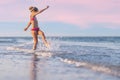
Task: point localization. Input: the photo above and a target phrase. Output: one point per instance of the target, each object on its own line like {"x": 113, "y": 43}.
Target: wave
{"x": 91, "y": 66}
{"x": 7, "y": 40}
{"x": 68, "y": 46}
{"x": 108, "y": 45}
{"x": 20, "y": 49}
{"x": 26, "y": 47}
{"x": 36, "y": 52}
{"x": 67, "y": 41}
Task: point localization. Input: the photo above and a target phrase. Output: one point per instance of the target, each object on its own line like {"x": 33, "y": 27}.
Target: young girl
{"x": 35, "y": 29}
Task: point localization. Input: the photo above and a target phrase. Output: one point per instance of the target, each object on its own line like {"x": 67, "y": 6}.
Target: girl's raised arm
{"x": 41, "y": 10}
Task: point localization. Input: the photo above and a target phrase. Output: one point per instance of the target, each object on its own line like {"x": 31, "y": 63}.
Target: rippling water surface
{"x": 68, "y": 58}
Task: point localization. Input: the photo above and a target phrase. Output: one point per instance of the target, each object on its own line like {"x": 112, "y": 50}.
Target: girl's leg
{"x": 43, "y": 38}
{"x": 35, "y": 39}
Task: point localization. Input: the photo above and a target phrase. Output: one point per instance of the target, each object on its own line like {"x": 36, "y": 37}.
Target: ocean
{"x": 68, "y": 58}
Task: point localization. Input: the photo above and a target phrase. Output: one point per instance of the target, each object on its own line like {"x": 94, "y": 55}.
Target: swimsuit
{"x": 35, "y": 29}
{"x": 32, "y": 19}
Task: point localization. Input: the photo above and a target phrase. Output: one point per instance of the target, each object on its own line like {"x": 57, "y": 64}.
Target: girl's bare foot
{"x": 47, "y": 45}
{"x": 34, "y": 48}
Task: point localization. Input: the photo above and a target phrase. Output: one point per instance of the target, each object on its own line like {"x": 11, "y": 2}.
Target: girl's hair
{"x": 35, "y": 9}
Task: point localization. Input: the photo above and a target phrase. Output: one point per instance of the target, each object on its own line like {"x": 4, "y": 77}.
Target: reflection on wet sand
{"x": 34, "y": 68}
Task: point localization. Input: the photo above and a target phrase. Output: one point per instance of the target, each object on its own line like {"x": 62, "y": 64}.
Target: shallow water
{"x": 69, "y": 58}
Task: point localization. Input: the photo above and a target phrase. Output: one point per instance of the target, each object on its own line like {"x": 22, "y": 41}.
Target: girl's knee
{"x": 42, "y": 33}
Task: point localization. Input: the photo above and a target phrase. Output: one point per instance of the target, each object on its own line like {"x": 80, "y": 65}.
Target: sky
{"x": 63, "y": 18}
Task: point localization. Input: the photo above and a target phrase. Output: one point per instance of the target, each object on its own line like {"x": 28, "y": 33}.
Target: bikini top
{"x": 32, "y": 19}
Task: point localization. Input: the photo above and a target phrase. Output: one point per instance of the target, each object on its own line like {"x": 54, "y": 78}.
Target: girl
{"x": 35, "y": 29}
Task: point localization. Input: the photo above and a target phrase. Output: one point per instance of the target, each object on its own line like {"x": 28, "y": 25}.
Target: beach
{"x": 69, "y": 58}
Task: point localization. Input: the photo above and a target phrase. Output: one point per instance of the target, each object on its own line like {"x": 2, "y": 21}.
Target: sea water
{"x": 68, "y": 58}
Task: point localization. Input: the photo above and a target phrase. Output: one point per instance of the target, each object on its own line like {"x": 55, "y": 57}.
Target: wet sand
{"x": 32, "y": 67}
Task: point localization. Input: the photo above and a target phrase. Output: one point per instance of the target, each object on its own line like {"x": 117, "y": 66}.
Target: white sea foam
{"x": 20, "y": 49}
{"x": 41, "y": 49}
{"x": 37, "y": 52}
{"x": 91, "y": 66}
{"x": 27, "y": 43}
{"x": 44, "y": 54}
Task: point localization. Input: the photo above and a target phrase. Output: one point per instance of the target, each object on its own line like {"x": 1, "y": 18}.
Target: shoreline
{"x": 32, "y": 67}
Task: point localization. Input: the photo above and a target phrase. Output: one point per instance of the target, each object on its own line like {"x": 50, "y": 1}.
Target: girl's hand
{"x": 25, "y": 29}
{"x": 47, "y": 7}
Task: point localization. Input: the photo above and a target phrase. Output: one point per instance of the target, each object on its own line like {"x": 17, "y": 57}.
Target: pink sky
{"x": 77, "y": 12}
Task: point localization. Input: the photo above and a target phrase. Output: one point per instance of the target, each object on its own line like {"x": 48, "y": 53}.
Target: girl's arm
{"x": 41, "y": 10}
{"x": 27, "y": 26}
